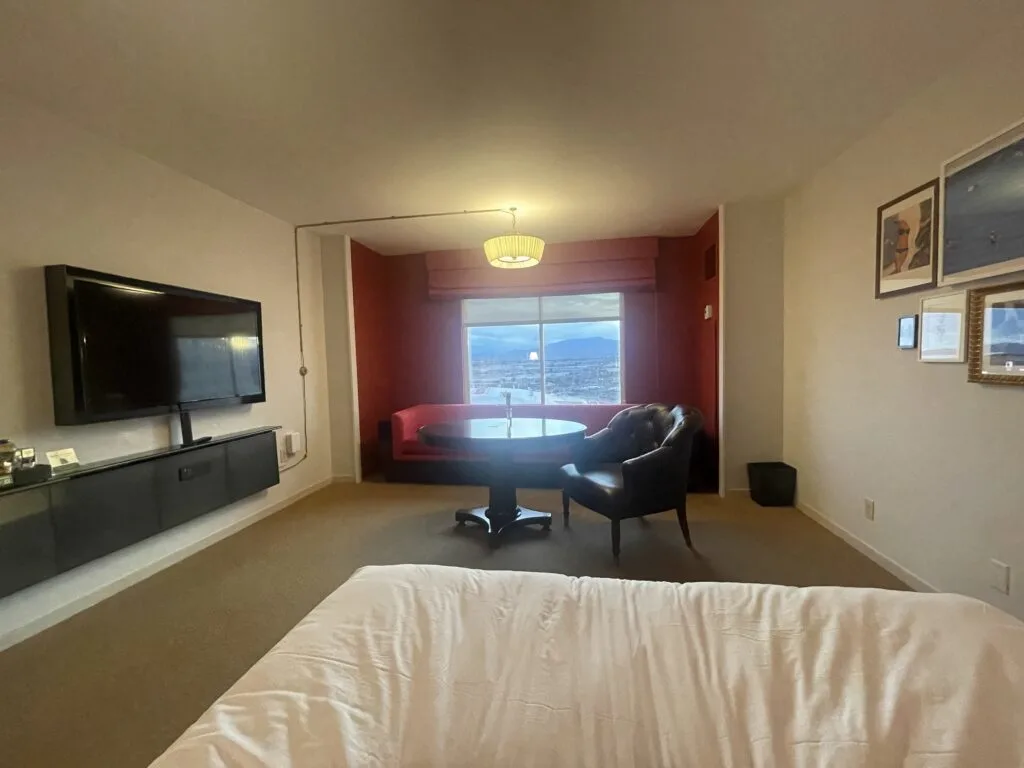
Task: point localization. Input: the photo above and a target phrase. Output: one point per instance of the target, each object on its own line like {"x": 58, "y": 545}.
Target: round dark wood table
{"x": 500, "y": 440}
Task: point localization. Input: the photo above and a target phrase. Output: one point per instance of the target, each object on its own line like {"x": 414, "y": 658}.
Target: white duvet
{"x": 426, "y": 665}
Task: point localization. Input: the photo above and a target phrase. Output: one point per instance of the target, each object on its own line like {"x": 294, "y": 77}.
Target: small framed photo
{"x": 943, "y": 328}
{"x": 995, "y": 333}
{"x": 906, "y": 337}
{"x": 906, "y": 242}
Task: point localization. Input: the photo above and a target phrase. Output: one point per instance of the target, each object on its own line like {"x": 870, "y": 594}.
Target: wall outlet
{"x": 869, "y": 509}
{"x": 999, "y": 578}
{"x": 292, "y": 443}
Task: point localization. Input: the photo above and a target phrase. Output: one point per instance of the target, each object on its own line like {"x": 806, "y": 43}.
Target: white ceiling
{"x": 598, "y": 118}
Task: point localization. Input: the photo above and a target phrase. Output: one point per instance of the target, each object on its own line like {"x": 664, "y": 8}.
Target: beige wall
{"x": 940, "y": 457}
{"x": 67, "y": 196}
{"x": 752, "y": 336}
{"x": 337, "y": 274}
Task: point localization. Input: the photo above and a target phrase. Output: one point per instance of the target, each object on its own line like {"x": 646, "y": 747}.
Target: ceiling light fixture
{"x": 514, "y": 250}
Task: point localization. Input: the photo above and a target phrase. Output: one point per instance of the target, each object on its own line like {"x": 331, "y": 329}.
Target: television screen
{"x": 135, "y": 348}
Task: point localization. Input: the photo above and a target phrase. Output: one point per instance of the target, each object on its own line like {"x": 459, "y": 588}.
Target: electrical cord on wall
{"x": 303, "y": 370}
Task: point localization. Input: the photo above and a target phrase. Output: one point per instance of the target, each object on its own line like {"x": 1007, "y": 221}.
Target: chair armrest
{"x": 652, "y": 475}
{"x": 593, "y": 449}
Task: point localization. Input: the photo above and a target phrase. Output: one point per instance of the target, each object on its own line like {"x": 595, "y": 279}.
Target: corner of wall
{"x": 722, "y": 267}
{"x": 355, "y": 438}
{"x": 751, "y": 312}
{"x": 341, "y": 364}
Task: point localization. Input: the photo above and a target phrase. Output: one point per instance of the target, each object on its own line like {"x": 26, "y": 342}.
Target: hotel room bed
{"x": 429, "y": 665}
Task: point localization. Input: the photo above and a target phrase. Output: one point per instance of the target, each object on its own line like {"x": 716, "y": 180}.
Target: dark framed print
{"x": 995, "y": 335}
{"x": 906, "y": 332}
{"x": 906, "y": 242}
{"x": 982, "y": 210}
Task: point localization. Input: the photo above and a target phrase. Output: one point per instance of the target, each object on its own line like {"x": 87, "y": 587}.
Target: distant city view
{"x": 580, "y": 363}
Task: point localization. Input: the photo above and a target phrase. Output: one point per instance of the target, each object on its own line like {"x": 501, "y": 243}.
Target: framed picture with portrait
{"x": 995, "y": 335}
{"x": 906, "y": 242}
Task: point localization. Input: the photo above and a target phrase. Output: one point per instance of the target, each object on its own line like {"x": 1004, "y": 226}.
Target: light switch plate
{"x": 1000, "y": 576}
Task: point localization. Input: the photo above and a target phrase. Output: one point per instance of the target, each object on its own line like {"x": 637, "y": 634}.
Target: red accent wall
{"x": 660, "y": 329}
{"x": 428, "y": 338}
{"x": 706, "y": 346}
{"x": 371, "y": 291}
{"x": 640, "y": 344}
{"x": 678, "y": 315}
{"x": 409, "y": 347}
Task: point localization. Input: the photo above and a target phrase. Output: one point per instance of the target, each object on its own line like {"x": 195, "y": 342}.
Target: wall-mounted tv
{"x": 122, "y": 348}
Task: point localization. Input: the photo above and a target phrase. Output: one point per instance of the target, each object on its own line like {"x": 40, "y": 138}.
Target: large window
{"x": 553, "y": 349}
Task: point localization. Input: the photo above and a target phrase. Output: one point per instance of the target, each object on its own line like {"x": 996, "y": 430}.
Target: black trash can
{"x": 772, "y": 483}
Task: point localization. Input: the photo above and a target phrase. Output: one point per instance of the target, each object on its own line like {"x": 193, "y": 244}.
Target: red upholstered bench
{"x": 412, "y": 461}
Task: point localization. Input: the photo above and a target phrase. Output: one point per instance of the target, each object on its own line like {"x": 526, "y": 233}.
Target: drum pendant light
{"x": 514, "y": 250}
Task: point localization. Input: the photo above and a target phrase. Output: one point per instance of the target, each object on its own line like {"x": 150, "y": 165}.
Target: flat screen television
{"x": 122, "y": 348}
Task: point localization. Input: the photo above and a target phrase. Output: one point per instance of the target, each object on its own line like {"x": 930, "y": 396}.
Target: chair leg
{"x": 615, "y": 540}
{"x": 565, "y": 509}
{"x": 681, "y": 514}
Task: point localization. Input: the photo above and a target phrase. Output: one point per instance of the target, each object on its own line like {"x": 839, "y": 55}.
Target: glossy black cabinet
{"x": 250, "y": 462}
{"x": 55, "y": 526}
{"x": 26, "y": 540}
{"x": 190, "y": 485}
{"x": 102, "y": 513}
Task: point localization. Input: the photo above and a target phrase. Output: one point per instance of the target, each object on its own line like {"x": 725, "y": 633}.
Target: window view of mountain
{"x": 571, "y": 349}
{"x": 582, "y": 349}
{"x": 563, "y": 341}
{"x": 580, "y": 363}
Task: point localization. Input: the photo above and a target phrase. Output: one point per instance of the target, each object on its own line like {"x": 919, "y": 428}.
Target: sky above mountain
{"x": 563, "y": 340}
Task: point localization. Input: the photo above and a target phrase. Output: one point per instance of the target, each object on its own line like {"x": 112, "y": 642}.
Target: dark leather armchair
{"x": 638, "y": 465}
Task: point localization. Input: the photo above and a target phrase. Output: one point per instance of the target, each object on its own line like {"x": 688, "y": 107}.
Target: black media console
{"x": 78, "y": 516}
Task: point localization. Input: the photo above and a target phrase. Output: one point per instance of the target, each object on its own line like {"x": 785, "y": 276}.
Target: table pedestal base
{"x": 503, "y": 513}
{"x": 495, "y": 525}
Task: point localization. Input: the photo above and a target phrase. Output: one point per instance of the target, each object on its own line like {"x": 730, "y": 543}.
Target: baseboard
{"x": 102, "y": 592}
{"x": 897, "y": 570}
{"x": 343, "y": 479}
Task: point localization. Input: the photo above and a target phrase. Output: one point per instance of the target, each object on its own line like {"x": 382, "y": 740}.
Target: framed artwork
{"x": 995, "y": 333}
{"x": 906, "y": 242}
{"x": 943, "y": 328}
{"x": 906, "y": 334}
{"x": 982, "y": 211}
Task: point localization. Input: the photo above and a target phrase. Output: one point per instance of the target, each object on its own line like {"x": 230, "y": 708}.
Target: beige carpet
{"x": 113, "y": 686}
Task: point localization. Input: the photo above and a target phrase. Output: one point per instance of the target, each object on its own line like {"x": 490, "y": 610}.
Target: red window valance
{"x": 596, "y": 266}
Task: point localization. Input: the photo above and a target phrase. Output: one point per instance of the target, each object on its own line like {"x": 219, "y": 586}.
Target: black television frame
{"x": 65, "y": 355}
